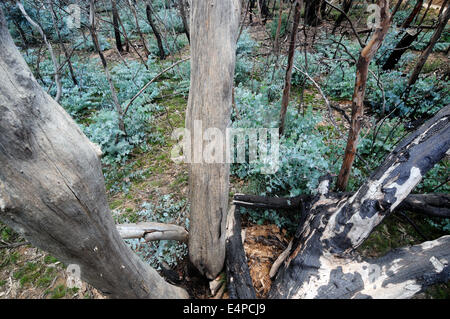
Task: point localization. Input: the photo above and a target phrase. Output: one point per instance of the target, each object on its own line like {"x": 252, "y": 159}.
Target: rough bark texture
{"x": 214, "y": 31}
{"x": 115, "y": 16}
{"x": 240, "y": 284}
{"x": 322, "y": 262}
{"x": 52, "y": 190}
{"x": 288, "y": 78}
{"x": 434, "y": 205}
{"x": 362, "y": 69}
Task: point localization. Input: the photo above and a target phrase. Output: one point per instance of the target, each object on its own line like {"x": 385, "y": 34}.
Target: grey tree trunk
{"x": 52, "y": 190}
{"x": 214, "y": 31}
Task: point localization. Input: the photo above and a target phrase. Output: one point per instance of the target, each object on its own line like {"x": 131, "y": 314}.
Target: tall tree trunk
{"x": 61, "y": 43}
{"x": 443, "y": 19}
{"x": 401, "y": 47}
{"x": 149, "y": 11}
{"x": 362, "y": 69}
{"x": 214, "y": 32}
{"x": 22, "y": 34}
{"x": 115, "y": 16}
{"x": 138, "y": 28}
{"x": 346, "y": 8}
{"x": 322, "y": 262}
{"x": 252, "y": 6}
{"x": 49, "y": 47}
{"x": 52, "y": 189}
{"x": 415, "y": 11}
{"x": 125, "y": 35}
{"x": 184, "y": 17}
{"x": 287, "y": 82}
{"x": 105, "y": 66}
{"x": 277, "y": 34}
{"x": 264, "y": 9}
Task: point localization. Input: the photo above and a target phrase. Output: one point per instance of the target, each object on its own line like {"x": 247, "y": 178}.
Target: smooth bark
{"x": 52, "y": 190}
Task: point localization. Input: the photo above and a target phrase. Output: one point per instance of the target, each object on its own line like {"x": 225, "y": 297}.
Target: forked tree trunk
{"x": 52, "y": 190}
{"x": 288, "y": 78}
{"x": 362, "y": 69}
{"x": 322, "y": 262}
{"x": 214, "y": 32}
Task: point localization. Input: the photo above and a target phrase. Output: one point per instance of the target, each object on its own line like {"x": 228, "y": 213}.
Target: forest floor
{"x": 28, "y": 272}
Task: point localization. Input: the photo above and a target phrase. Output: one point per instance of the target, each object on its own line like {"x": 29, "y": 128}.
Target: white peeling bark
{"x": 52, "y": 189}
{"x": 152, "y": 231}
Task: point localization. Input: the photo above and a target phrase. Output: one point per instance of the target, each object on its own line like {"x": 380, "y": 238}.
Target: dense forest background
{"x": 126, "y": 84}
